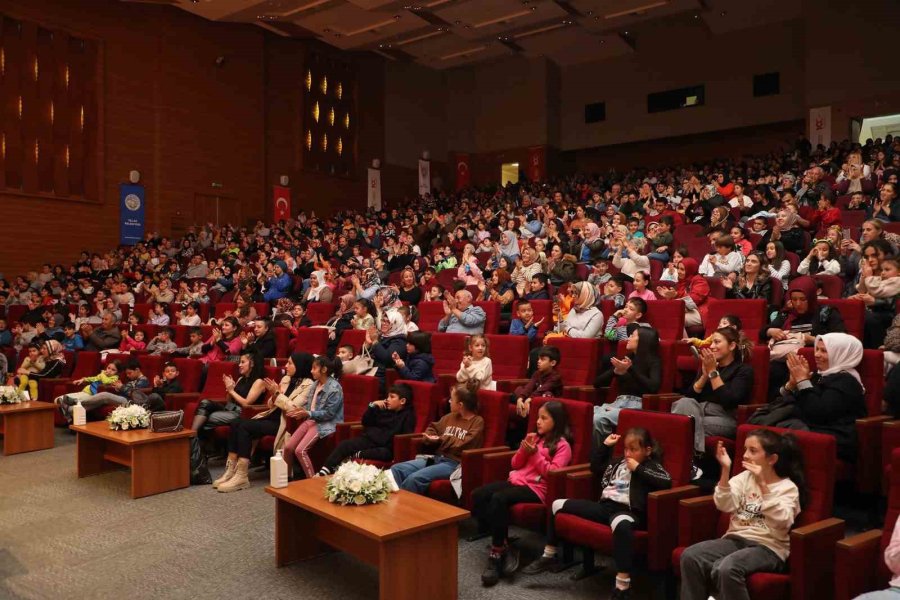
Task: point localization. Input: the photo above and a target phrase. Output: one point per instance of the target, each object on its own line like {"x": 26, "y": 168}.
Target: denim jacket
{"x": 329, "y": 407}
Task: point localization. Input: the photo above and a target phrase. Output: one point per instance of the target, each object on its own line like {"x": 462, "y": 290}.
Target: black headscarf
{"x": 303, "y": 364}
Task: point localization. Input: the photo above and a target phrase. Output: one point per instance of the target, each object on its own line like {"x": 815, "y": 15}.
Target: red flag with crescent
{"x": 281, "y": 198}
{"x": 463, "y": 173}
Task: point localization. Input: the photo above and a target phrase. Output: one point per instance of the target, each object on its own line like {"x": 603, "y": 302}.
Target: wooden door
{"x": 218, "y": 210}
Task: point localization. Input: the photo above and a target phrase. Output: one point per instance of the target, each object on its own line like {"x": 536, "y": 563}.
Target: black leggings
{"x": 243, "y": 433}
{"x": 361, "y": 447}
{"x": 491, "y": 504}
{"x": 606, "y": 512}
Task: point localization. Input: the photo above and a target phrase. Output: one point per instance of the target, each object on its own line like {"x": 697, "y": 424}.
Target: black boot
{"x": 491, "y": 574}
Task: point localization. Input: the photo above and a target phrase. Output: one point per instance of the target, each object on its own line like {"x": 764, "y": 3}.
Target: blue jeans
{"x": 888, "y": 594}
{"x": 606, "y": 416}
{"x": 415, "y": 476}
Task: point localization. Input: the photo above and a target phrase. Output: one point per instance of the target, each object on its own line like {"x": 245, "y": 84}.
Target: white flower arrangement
{"x": 358, "y": 484}
{"x": 129, "y": 417}
{"x": 11, "y": 395}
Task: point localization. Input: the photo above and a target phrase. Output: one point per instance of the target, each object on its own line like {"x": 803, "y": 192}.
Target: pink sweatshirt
{"x": 892, "y": 555}
{"x": 532, "y": 469}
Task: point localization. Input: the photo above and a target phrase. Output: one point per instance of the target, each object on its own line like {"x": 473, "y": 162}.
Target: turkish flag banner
{"x": 463, "y": 172}
{"x": 537, "y": 163}
{"x": 281, "y": 197}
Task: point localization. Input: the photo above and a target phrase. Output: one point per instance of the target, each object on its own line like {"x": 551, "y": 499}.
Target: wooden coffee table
{"x": 26, "y": 426}
{"x": 410, "y": 538}
{"x": 159, "y": 462}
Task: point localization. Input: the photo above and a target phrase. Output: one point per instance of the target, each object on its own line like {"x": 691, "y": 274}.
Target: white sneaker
{"x": 392, "y": 483}
{"x": 696, "y": 472}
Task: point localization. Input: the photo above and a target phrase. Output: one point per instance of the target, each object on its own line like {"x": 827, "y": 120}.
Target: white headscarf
{"x": 398, "y": 323}
{"x": 511, "y": 247}
{"x": 845, "y": 352}
{"x": 315, "y": 290}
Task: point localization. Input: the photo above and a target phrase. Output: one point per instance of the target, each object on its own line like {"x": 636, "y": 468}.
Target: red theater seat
{"x": 320, "y": 313}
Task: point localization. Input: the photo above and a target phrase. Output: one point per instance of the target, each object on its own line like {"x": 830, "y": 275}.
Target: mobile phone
{"x": 846, "y": 233}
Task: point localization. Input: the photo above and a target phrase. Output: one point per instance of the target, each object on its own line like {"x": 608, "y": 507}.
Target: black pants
{"x": 875, "y": 328}
{"x": 243, "y": 433}
{"x": 361, "y": 447}
{"x": 778, "y": 376}
{"x": 491, "y": 504}
{"x": 606, "y": 512}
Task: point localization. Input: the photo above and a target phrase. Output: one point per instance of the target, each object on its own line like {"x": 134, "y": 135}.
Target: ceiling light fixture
{"x": 508, "y": 17}
{"x": 419, "y": 38}
{"x": 532, "y": 32}
{"x": 463, "y": 53}
{"x": 299, "y": 9}
{"x": 632, "y": 11}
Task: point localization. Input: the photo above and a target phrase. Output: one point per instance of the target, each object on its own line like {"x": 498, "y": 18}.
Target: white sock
{"x": 391, "y": 481}
{"x": 550, "y": 551}
{"x": 623, "y": 584}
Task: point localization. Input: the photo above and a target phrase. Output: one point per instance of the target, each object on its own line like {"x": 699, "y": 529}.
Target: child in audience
{"x": 162, "y": 342}
{"x": 160, "y": 316}
{"x": 546, "y": 381}
{"x": 419, "y": 363}
{"x": 435, "y": 293}
{"x": 363, "y": 318}
{"x": 763, "y": 500}
{"x": 6, "y": 338}
{"x": 476, "y": 366}
{"x": 617, "y": 327}
{"x": 407, "y": 311}
{"x": 123, "y": 395}
{"x": 195, "y": 344}
{"x": 732, "y": 321}
{"x": 132, "y": 342}
{"x": 33, "y": 363}
{"x": 612, "y": 290}
{"x": 538, "y": 288}
{"x": 72, "y": 340}
{"x": 524, "y": 323}
{"x": 381, "y": 422}
{"x": 892, "y": 560}
{"x": 189, "y": 318}
{"x": 460, "y": 429}
{"x": 600, "y": 273}
{"x": 641, "y": 280}
{"x": 324, "y": 410}
{"x": 167, "y": 384}
{"x": 346, "y": 353}
{"x": 51, "y": 353}
{"x": 662, "y": 241}
{"x": 542, "y": 451}
{"x": 108, "y": 376}
{"x": 625, "y": 483}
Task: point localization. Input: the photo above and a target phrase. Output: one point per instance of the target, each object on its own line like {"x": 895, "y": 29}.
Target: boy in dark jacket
{"x": 381, "y": 422}
{"x": 419, "y": 363}
{"x": 167, "y": 384}
{"x": 546, "y": 381}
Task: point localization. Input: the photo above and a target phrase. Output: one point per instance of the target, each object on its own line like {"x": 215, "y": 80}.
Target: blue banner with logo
{"x": 131, "y": 214}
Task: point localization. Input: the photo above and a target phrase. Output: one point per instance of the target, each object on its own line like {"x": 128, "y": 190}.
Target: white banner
{"x": 424, "y": 177}
{"x": 374, "y": 188}
{"x": 820, "y": 126}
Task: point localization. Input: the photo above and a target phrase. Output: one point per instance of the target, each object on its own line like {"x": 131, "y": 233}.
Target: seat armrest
{"x": 180, "y": 400}
{"x": 856, "y": 565}
{"x": 812, "y": 550}
{"x": 698, "y": 518}
{"x": 473, "y": 470}
{"x": 248, "y": 412}
{"x": 585, "y": 393}
{"x": 890, "y": 439}
{"x": 868, "y": 454}
{"x": 580, "y": 485}
{"x": 659, "y": 402}
{"x": 344, "y": 430}
{"x": 662, "y": 514}
{"x": 510, "y": 385}
{"x": 556, "y": 481}
{"x": 745, "y": 411}
{"x": 404, "y": 444}
{"x": 497, "y": 466}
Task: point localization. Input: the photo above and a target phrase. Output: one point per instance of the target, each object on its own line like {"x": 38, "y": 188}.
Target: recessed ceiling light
{"x": 723, "y": 13}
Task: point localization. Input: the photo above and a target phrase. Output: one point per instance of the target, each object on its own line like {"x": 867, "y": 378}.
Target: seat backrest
{"x": 751, "y": 312}
{"x": 144, "y": 309}
{"x": 310, "y": 339}
{"x": 223, "y": 307}
{"x": 581, "y": 423}
{"x": 320, "y": 312}
{"x": 359, "y": 391}
{"x": 430, "y": 314}
{"x": 673, "y": 433}
{"x": 214, "y": 387}
{"x": 262, "y": 308}
{"x": 122, "y": 357}
{"x": 509, "y": 356}
{"x": 190, "y": 372}
{"x": 761, "y": 363}
{"x": 578, "y": 359}
{"x": 819, "y": 466}
{"x": 667, "y": 351}
{"x": 716, "y": 289}
{"x": 832, "y": 285}
{"x": 686, "y": 232}
{"x": 447, "y": 350}
{"x": 426, "y": 398}
{"x": 543, "y": 312}
{"x": 150, "y": 331}
{"x": 492, "y": 310}
{"x": 667, "y": 317}
{"x": 282, "y": 339}
{"x": 87, "y": 364}
{"x": 70, "y": 363}
{"x": 852, "y": 311}
{"x": 151, "y": 365}
{"x": 494, "y": 409}
{"x": 353, "y": 337}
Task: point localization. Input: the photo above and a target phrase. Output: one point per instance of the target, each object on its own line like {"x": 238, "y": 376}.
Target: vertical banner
{"x": 131, "y": 214}
{"x": 424, "y": 177}
{"x": 281, "y": 198}
{"x": 820, "y": 126}
{"x": 463, "y": 173}
{"x": 536, "y": 170}
{"x": 374, "y": 189}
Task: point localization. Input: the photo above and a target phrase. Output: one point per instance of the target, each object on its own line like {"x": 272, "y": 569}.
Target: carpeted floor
{"x": 62, "y": 537}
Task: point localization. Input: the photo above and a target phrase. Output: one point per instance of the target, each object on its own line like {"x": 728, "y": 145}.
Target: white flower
{"x": 357, "y": 484}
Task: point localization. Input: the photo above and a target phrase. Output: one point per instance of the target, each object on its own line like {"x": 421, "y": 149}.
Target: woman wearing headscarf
{"x": 525, "y": 269}
{"x": 592, "y": 246}
{"x": 832, "y": 399}
{"x": 788, "y": 232}
{"x": 279, "y": 285}
{"x": 584, "y": 320}
{"x": 319, "y": 290}
{"x": 54, "y": 361}
{"x": 801, "y": 316}
{"x": 389, "y": 345}
{"x": 366, "y": 284}
{"x": 509, "y": 244}
{"x": 692, "y": 289}
{"x": 342, "y": 320}
{"x": 499, "y": 288}
{"x": 286, "y": 400}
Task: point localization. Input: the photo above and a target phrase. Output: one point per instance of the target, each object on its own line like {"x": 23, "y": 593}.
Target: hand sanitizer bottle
{"x": 79, "y": 415}
{"x": 278, "y": 471}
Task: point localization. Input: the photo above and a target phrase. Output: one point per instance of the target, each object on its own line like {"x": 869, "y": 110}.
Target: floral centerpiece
{"x": 10, "y": 395}
{"x": 355, "y": 483}
{"x": 129, "y": 417}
